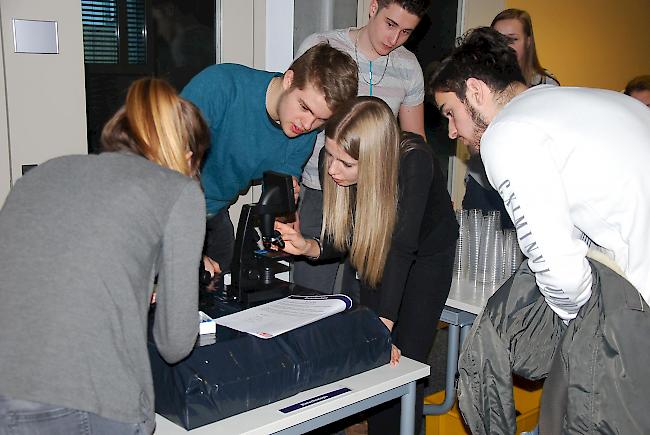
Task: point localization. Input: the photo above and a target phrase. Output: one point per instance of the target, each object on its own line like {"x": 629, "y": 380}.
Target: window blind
{"x": 136, "y": 32}
{"x": 101, "y": 31}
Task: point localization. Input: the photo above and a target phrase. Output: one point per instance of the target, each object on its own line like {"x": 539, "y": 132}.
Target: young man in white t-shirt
{"x": 571, "y": 167}
{"x": 386, "y": 70}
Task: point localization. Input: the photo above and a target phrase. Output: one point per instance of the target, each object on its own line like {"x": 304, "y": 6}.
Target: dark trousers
{"x": 220, "y": 239}
{"x": 426, "y": 292}
{"x": 477, "y": 196}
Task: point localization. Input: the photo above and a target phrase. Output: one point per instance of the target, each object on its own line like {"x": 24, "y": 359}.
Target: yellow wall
{"x": 593, "y": 43}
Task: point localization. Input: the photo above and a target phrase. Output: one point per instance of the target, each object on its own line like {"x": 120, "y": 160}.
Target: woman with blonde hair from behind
{"x": 385, "y": 203}
{"x": 160, "y": 126}
{"x": 82, "y": 239}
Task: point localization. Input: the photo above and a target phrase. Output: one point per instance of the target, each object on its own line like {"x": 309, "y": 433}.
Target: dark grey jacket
{"x": 597, "y": 366}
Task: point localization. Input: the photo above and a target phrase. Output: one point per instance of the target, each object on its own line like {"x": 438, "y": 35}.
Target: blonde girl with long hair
{"x": 370, "y": 200}
{"x": 82, "y": 239}
{"x": 385, "y": 203}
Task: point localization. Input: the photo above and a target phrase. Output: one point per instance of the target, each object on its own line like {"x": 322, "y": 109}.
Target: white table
{"x": 367, "y": 389}
{"x": 466, "y": 300}
{"x": 468, "y": 296}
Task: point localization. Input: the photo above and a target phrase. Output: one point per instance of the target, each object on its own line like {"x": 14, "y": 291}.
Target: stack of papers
{"x": 278, "y": 317}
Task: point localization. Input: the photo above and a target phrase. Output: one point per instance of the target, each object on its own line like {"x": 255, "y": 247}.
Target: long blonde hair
{"x": 159, "y": 125}
{"x": 361, "y": 218}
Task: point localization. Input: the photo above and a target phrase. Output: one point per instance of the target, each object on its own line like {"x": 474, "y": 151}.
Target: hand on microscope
{"x": 209, "y": 274}
{"x": 211, "y": 266}
{"x": 295, "y": 243}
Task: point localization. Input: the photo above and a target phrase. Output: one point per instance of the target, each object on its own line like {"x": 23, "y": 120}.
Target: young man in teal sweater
{"x": 261, "y": 121}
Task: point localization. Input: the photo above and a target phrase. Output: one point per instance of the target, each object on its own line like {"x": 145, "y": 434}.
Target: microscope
{"x": 255, "y": 264}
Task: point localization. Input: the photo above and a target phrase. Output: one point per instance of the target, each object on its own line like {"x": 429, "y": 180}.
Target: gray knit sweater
{"x": 81, "y": 239}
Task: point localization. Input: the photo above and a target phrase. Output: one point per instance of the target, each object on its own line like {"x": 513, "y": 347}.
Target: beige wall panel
{"x": 362, "y": 12}
{"x": 46, "y": 106}
{"x": 480, "y": 12}
{"x": 5, "y": 173}
{"x": 259, "y": 33}
{"x": 237, "y": 31}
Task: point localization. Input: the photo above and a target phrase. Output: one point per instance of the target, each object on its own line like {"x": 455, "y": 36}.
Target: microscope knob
{"x": 277, "y": 239}
{"x": 253, "y": 275}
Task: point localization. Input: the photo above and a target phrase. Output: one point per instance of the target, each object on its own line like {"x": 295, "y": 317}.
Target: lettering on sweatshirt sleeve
{"x": 525, "y": 235}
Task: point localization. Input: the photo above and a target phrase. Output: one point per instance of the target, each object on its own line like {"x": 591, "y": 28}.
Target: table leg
{"x": 407, "y": 417}
{"x": 453, "y": 349}
{"x": 464, "y": 331}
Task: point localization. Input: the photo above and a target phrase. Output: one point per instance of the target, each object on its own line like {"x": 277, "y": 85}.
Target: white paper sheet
{"x": 278, "y": 317}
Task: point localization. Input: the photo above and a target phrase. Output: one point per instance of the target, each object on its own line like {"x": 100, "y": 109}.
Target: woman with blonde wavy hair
{"x": 386, "y": 204}
{"x": 82, "y": 239}
{"x": 518, "y": 26}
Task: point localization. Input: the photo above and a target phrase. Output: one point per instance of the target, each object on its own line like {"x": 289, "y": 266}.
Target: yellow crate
{"x": 451, "y": 423}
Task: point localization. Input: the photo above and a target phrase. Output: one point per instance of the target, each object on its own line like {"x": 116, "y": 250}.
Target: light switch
{"x": 35, "y": 36}
{"x": 26, "y": 168}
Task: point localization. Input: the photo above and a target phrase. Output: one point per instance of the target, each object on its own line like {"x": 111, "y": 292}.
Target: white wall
{"x": 45, "y": 93}
{"x": 279, "y": 35}
{"x": 362, "y": 12}
{"x": 244, "y": 29}
{"x": 322, "y": 15}
{"x": 480, "y": 12}
{"x": 237, "y": 31}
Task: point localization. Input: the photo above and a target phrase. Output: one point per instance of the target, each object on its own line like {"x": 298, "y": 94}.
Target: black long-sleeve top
{"x": 426, "y": 223}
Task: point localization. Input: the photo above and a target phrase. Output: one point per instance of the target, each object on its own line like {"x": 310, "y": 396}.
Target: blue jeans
{"x": 22, "y": 417}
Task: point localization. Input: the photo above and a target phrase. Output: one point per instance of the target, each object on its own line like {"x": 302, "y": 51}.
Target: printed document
{"x": 278, "y": 317}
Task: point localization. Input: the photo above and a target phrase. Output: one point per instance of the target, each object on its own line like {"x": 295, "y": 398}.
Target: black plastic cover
{"x": 241, "y": 372}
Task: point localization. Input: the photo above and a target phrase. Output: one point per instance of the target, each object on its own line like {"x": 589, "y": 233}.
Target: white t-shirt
{"x": 397, "y": 79}
{"x": 574, "y": 158}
